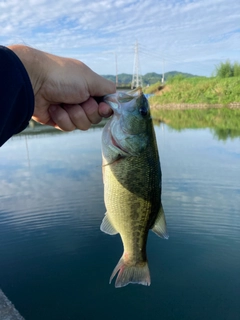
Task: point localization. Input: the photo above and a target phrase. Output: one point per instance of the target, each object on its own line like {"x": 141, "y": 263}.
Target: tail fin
{"x": 131, "y": 274}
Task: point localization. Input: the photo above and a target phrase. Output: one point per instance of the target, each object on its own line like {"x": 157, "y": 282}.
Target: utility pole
{"x": 163, "y": 66}
{"x": 136, "y": 78}
{"x": 116, "y": 69}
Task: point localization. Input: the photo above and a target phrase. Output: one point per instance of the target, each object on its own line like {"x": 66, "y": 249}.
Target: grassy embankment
{"x": 199, "y": 90}
{"x": 198, "y": 103}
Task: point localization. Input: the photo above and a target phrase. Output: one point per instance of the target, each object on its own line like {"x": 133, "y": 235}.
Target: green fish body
{"x": 132, "y": 183}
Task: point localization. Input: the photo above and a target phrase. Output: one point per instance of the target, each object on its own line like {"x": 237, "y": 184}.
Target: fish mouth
{"x": 117, "y": 145}
{"x": 111, "y": 100}
{"x": 115, "y": 100}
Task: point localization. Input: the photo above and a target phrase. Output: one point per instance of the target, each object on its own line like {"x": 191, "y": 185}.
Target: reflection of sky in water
{"x": 58, "y": 185}
{"x": 51, "y": 207}
{"x": 55, "y": 164}
{"x": 200, "y": 181}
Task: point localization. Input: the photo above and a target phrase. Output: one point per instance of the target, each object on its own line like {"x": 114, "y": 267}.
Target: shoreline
{"x": 188, "y": 106}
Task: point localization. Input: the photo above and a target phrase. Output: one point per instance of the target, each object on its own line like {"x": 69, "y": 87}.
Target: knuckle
{"x": 76, "y": 114}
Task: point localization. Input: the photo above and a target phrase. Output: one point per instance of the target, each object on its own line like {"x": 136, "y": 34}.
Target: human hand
{"x": 64, "y": 89}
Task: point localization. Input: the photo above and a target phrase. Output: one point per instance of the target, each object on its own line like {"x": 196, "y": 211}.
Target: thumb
{"x": 99, "y": 86}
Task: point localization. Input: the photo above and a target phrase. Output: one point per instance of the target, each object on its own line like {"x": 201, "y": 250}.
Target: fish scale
{"x": 132, "y": 184}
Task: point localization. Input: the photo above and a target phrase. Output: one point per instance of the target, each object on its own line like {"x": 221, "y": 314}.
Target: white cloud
{"x": 191, "y": 35}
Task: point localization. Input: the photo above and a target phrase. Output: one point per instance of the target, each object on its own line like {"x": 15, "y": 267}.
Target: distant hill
{"x": 148, "y": 78}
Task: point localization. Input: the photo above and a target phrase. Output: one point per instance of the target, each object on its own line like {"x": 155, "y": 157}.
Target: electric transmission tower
{"x": 136, "y": 78}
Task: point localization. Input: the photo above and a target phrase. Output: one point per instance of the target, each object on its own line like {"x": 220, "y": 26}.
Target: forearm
{"x": 16, "y": 95}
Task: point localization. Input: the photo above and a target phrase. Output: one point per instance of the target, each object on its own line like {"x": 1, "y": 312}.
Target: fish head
{"x": 129, "y": 129}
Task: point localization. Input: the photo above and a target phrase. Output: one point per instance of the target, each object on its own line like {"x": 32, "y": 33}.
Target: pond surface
{"x": 55, "y": 263}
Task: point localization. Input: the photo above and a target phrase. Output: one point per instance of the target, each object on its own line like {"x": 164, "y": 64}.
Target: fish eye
{"x": 143, "y": 111}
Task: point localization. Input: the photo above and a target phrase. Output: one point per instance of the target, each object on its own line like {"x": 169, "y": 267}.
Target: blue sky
{"x": 184, "y": 35}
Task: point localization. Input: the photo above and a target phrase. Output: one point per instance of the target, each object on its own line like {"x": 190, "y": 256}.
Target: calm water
{"x": 55, "y": 263}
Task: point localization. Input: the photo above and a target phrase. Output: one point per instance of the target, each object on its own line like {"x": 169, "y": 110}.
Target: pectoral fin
{"x": 160, "y": 226}
{"x": 107, "y": 227}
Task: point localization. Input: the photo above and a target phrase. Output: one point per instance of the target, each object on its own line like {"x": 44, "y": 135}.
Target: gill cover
{"x": 127, "y": 132}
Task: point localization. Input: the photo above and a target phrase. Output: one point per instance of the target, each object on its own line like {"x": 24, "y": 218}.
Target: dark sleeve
{"x": 16, "y": 95}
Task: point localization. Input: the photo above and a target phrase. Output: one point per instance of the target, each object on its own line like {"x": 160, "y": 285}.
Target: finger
{"x": 104, "y": 110}
{"x": 78, "y": 116}
{"x": 60, "y": 118}
{"x": 90, "y": 108}
{"x": 97, "y": 85}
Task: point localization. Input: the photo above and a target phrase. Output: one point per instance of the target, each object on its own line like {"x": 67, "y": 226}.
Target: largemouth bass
{"x": 132, "y": 183}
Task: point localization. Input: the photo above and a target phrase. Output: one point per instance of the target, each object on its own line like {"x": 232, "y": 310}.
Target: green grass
{"x": 196, "y": 90}
{"x": 224, "y": 122}
{"x": 153, "y": 88}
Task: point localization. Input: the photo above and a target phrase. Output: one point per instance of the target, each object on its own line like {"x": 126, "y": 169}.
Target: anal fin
{"x": 107, "y": 227}
{"x": 160, "y": 226}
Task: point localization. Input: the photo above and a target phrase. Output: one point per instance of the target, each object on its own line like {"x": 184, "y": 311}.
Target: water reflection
{"x": 224, "y": 134}
{"x": 218, "y": 133}
{"x": 223, "y": 122}
{"x": 55, "y": 262}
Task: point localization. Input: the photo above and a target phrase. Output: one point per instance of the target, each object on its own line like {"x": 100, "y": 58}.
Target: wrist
{"x": 33, "y": 61}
